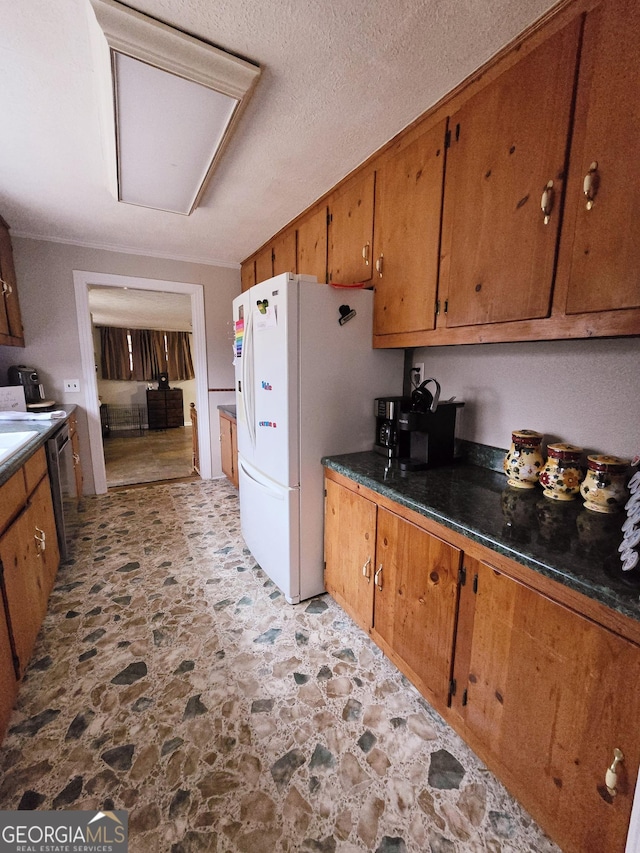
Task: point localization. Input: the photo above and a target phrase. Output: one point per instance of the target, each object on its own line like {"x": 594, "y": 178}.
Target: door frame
{"x": 82, "y": 281}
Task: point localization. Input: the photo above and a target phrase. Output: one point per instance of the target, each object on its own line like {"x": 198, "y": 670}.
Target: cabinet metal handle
{"x": 590, "y": 184}
{"x": 379, "y": 265}
{"x": 76, "y": 458}
{"x": 365, "y": 570}
{"x": 41, "y": 540}
{"x": 365, "y": 253}
{"x": 611, "y": 776}
{"x": 6, "y": 287}
{"x": 377, "y": 578}
{"x": 546, "y": 202}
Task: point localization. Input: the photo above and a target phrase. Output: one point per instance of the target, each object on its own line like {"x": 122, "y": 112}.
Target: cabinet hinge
{"x": 462, "y": 575}
{"x": 447, "y": 139}
{"x": 325, "y": 493}
{"x": 329, "y": 217}
{"x": 437, "y": 307}
{"x": 475, "y": 583}
{"x": 452, "y": 687}
{"x": 446, "y": 305}
{"x": 464, "y": 697}
{"x": 458, "y": 131}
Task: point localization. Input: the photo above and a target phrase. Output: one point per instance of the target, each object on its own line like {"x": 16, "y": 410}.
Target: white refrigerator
{"x": 305, "y": 388}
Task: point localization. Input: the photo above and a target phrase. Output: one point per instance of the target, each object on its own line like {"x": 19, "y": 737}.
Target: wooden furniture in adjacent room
{"x": 164, "y": 408}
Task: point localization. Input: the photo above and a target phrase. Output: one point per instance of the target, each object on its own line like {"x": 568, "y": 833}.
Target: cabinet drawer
{"x": 34, "y": 469}
{"x": 13, "y": 496}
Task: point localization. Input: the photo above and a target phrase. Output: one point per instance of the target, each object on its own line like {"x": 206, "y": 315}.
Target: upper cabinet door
{"x": 407, "y": 234}
{"x": 508, "y": 145}
{"x": 284, "y": 252}
{"x": 351, "y": 231}
{"x": 248, "y": 274}
{"x": 603, "y": 190}
{"x": 312, "y": 245}
{"x": 264, "y": 264}
{"x": 10, "y": 318}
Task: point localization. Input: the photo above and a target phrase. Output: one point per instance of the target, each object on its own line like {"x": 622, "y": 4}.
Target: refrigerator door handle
{"x": 271, "y": 492}
{"x": 247, "y": 379}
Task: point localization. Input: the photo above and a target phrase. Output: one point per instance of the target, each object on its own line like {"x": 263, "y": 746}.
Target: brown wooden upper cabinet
{"x": 264, "y": 263}
{"x": 248, "y": 274}
{"x": 11, "y": 332}
{"x": 284, "y": 252}
{"x": 508, "y": 148}
{"x": 312, "y": 244}
{"x": 601, "y": 233}
{"x": 407, "y": 232}
{"x": 351, "y": 230}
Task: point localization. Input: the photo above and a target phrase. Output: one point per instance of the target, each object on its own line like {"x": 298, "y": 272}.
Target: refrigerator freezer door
{"x": 270, "y": 521}
{"x": 269, "y": 376}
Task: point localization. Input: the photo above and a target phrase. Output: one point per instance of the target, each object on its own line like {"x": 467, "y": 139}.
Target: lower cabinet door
{"x": 552, "y": 696}
{"x": 8, "y": 682}
{"x": 415, "y": 603}
{"x": 349, "y": 551}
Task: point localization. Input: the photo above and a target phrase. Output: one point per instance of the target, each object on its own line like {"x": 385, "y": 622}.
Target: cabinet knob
{"x": 366, "y": 570}
{"x": 590, "y": 184}
{"x": 546, "y": 202}
{"x": 377, "y": 578}
{"x": 611, "y": 776}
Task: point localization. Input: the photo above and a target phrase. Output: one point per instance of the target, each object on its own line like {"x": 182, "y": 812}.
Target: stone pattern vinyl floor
{"x": 171, "y": 679}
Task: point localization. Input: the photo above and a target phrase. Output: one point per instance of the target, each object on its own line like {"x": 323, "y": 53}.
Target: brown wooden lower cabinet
{"x": 228, "y": 448}
{"x": 541, "y": 692}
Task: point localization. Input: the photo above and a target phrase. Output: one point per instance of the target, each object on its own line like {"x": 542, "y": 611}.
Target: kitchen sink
{"x": 11, "y": 442}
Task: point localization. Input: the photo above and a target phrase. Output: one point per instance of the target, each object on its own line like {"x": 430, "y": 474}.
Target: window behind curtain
{"x": 142, "y": 354}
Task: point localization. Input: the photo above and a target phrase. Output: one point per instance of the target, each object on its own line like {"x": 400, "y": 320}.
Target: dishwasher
{"x": 60, "y": 465}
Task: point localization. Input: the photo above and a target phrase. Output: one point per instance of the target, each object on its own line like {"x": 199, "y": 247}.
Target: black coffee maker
{"x": 389, "y": 441}
{"x": 33, "y": 391}
{"x": 428, "y": 428}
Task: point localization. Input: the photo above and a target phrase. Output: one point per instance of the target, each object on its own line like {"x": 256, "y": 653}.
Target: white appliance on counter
{"x": 306, "y": 377}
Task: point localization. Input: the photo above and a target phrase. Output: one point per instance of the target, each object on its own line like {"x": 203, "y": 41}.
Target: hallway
{"x": 148, "y": 456}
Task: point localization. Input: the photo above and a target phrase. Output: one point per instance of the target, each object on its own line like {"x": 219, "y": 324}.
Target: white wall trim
{"x": 81, "y": 281}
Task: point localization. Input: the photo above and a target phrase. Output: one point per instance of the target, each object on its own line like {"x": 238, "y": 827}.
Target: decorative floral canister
{"x": 561, "y": 474}
{"x": 604, "y": 488}
{"x": 523, "y": 461}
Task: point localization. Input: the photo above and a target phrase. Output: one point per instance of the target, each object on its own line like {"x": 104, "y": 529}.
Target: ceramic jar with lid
{"x": 561, "y": 474}
{"x": 523, "y": 461}
{"x": 604, "y": 488}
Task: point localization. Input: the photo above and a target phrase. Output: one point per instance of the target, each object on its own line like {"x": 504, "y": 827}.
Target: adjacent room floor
{"x": 148, "y": 456}
{"x": 172, "y": 680}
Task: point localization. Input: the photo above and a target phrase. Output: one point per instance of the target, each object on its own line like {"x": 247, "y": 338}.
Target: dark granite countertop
{"x": 228, "y": 409}
{"x": 44, "y": 429}
{"x": 563, "y": 541}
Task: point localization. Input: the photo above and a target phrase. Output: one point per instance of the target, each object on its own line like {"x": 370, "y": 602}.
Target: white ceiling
{"x": 339, "y": 79}
{"x": 127, "y": 308}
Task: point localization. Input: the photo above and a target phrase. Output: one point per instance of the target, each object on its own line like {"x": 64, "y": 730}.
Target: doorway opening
{"x": 167, "y": 451}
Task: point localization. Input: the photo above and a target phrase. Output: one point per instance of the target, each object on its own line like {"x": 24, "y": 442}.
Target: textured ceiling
{"x": 140, "y": 309}
{"x": 339, "y": 78}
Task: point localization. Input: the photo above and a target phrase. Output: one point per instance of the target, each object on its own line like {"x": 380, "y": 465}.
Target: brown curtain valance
{"x": 152, "y": 352}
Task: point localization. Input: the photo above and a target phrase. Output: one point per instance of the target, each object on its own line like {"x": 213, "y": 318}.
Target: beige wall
{"x": 45, "y": 282}
{"x": 582, "y": 392}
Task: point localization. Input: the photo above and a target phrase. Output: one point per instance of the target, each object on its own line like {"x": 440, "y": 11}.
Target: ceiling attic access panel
{"x": 508, "y": 145}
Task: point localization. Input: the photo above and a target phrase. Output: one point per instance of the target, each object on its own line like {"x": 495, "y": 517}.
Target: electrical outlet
{"x": 72, "y": 385}
{"x": 417, "y": 374}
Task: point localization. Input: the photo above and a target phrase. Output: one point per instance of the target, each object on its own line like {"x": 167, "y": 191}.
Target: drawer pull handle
{"x": 590, "y": 184}
{"x": 377, "y": 578}
{"x": 611, "y": 776}
{"x": 546, "y": 202}
{"x": 379, "y": 263}
{"x": 41, "y": 540}
{"x": 365, "y": 570}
